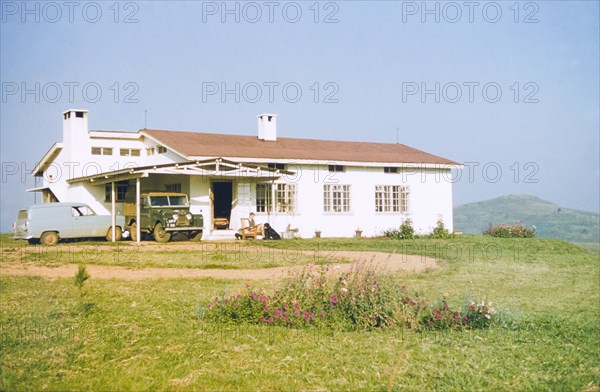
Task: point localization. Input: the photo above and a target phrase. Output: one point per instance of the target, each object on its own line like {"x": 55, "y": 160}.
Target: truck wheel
{"x": 133, "y": 232}
{"x": 49, "y": 238}
{"x": 118, "y": 234}
{"x": 160, "y": 235}
{"x": 196, "y": 236}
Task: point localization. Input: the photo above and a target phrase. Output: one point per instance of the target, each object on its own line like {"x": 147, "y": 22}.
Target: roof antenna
{"x": 145, "y": 118}
{"x": 397, "y": 133}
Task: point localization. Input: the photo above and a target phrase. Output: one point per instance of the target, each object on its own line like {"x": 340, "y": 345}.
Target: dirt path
{"x": 383, "y": 261}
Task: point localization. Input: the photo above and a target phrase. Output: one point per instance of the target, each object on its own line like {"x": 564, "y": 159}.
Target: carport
{"x": 216, "y": 168}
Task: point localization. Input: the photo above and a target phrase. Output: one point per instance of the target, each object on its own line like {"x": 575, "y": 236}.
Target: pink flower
{"x": 333, "y": 299}
{"x": 321, "y": 314}
{"x": 437, "y": 314}
{"x": 270, "y": 320}
{"x": 209, "y": 306}
{"x": 262, "y": 320}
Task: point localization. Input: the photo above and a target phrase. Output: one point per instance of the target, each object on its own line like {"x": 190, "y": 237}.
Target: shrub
{"x": 440, "y": 231}
{"x": 404, "y": 232}
{"x": 473, "y": 315}
{"x": 510, "y": 231}
{"x": 358, "y": 299}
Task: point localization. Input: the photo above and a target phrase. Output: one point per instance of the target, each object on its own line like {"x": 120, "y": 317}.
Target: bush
{"x": 404, "y": 232}
{"x": 358, "y": 299}
{"x": 440, "y": 231}
{"x": 472, "y": 315}
{"x": 510, "y": 231}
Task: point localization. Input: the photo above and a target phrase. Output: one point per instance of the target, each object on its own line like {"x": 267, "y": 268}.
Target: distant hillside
{"x": 551, "y": 220}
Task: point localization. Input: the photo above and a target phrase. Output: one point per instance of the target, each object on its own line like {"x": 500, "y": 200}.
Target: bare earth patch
{"x": 383, "y": 261}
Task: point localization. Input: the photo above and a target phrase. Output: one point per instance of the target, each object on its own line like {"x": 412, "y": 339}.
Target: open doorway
{"x": 222, "y": 199}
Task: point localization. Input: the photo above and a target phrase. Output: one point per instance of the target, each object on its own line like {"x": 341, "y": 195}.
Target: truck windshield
{"x": 157, "y": 201}
{"x": 178, "y": 200}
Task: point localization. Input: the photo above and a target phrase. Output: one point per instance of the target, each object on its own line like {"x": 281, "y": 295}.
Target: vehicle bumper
{"x": 184, "y": 228}
{"x": 22, "y": 237}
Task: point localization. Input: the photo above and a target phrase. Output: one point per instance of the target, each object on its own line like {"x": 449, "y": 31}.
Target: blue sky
{"x": 357, "y": 76}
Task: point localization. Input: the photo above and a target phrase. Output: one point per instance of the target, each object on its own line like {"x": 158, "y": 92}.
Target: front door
{"x": 222, "y": 199}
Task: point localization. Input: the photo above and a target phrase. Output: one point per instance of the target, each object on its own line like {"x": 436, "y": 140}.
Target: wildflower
{"x": 333, "y": 299}
{"x": 270, "y": 320}
{"x": 209, "y": 306}
{"x": 437, "y": 314}
{"x": 343, "y": 289}
{"x": 321, "y": 314}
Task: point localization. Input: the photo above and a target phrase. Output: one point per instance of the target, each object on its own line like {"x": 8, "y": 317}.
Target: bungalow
{"x": 334, "y": 187}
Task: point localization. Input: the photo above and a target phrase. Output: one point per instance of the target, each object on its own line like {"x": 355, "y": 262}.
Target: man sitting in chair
{"x": 260, "y": 228}
{"x": 250, "y": 228}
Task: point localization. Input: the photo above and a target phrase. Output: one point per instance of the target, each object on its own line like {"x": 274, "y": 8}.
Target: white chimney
{"x": 75, "y": 131}
{"x": 267, "y": 127}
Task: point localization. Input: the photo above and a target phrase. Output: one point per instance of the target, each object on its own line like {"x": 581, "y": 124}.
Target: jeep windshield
{"x": 168, "y": 201}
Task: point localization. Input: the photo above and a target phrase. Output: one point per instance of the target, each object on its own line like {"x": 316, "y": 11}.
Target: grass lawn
{"x": 132, "y": 335}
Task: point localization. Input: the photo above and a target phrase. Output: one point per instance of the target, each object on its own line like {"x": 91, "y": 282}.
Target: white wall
{"x": 428, "y": 201}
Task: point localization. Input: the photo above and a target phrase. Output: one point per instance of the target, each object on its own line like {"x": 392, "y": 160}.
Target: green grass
{"x": 132, "y": 335}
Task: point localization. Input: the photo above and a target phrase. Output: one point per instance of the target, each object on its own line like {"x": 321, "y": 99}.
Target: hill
{"x": 550, "y": 220}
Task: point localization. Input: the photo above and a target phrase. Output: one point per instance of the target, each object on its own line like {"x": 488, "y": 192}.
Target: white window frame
{"x": 130, "y": 152}
{"x": 285, "y": 196}
{"x": 102, "y": 151}
{"x": 337, "y": 198}
{"x": 392, "y": 199}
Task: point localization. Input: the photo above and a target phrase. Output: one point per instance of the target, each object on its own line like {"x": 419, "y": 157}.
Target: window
{"x": 391, "y": 198}
{"x": 161, "y": 149}
{"x": 121, "y": 188}
{"x": 102, "y": 150}
{"x": 388, "y": 169}
{"x": 150, "y": 151}
{"x": 130, "y": 152}
{"x": 336, "y": 168}
{"x": 263, "y": 198}
{"x": 173, "y": 188}
{"x": 82, "y": 211}
{"x": 278, "y": 166}
{"x": 285, "y": 198}
{"x": 336, "y": 198}
{"x": 79, "y": 114}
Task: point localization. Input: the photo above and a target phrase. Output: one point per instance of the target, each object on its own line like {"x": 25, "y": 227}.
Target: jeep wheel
{"x": 133, "y": 232}
{"x": 49, "y": 238}
{"x": 160, "y": 235}
{"x": 196, "y": 236}
{"x": 118, "y": 234}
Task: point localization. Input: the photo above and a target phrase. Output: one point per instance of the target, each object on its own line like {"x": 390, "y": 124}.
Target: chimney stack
{"x": 75, "y": 131}
{"x": 267, "y": 127}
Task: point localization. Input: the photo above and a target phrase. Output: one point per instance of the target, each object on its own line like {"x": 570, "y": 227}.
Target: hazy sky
{"x": 510, "y": 89}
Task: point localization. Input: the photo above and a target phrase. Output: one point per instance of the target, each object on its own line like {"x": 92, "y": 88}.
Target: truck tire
{"x": 160, "y": 235}
{"x": 196, "y": 236}
{"x": 118, "y": 234}
{"x": 133, "y": 232}
{"x": 49, "y": 238}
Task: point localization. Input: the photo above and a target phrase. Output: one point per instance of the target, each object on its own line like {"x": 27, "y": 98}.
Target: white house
{"x": 335, "y": 187}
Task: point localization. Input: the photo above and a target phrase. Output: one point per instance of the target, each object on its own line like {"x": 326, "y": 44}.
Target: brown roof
{"x": 194, "y": 144}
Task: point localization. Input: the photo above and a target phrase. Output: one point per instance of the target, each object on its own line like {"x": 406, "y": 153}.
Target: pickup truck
{"x": 48, "y": 223}
{"x": 161, "y": 215}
